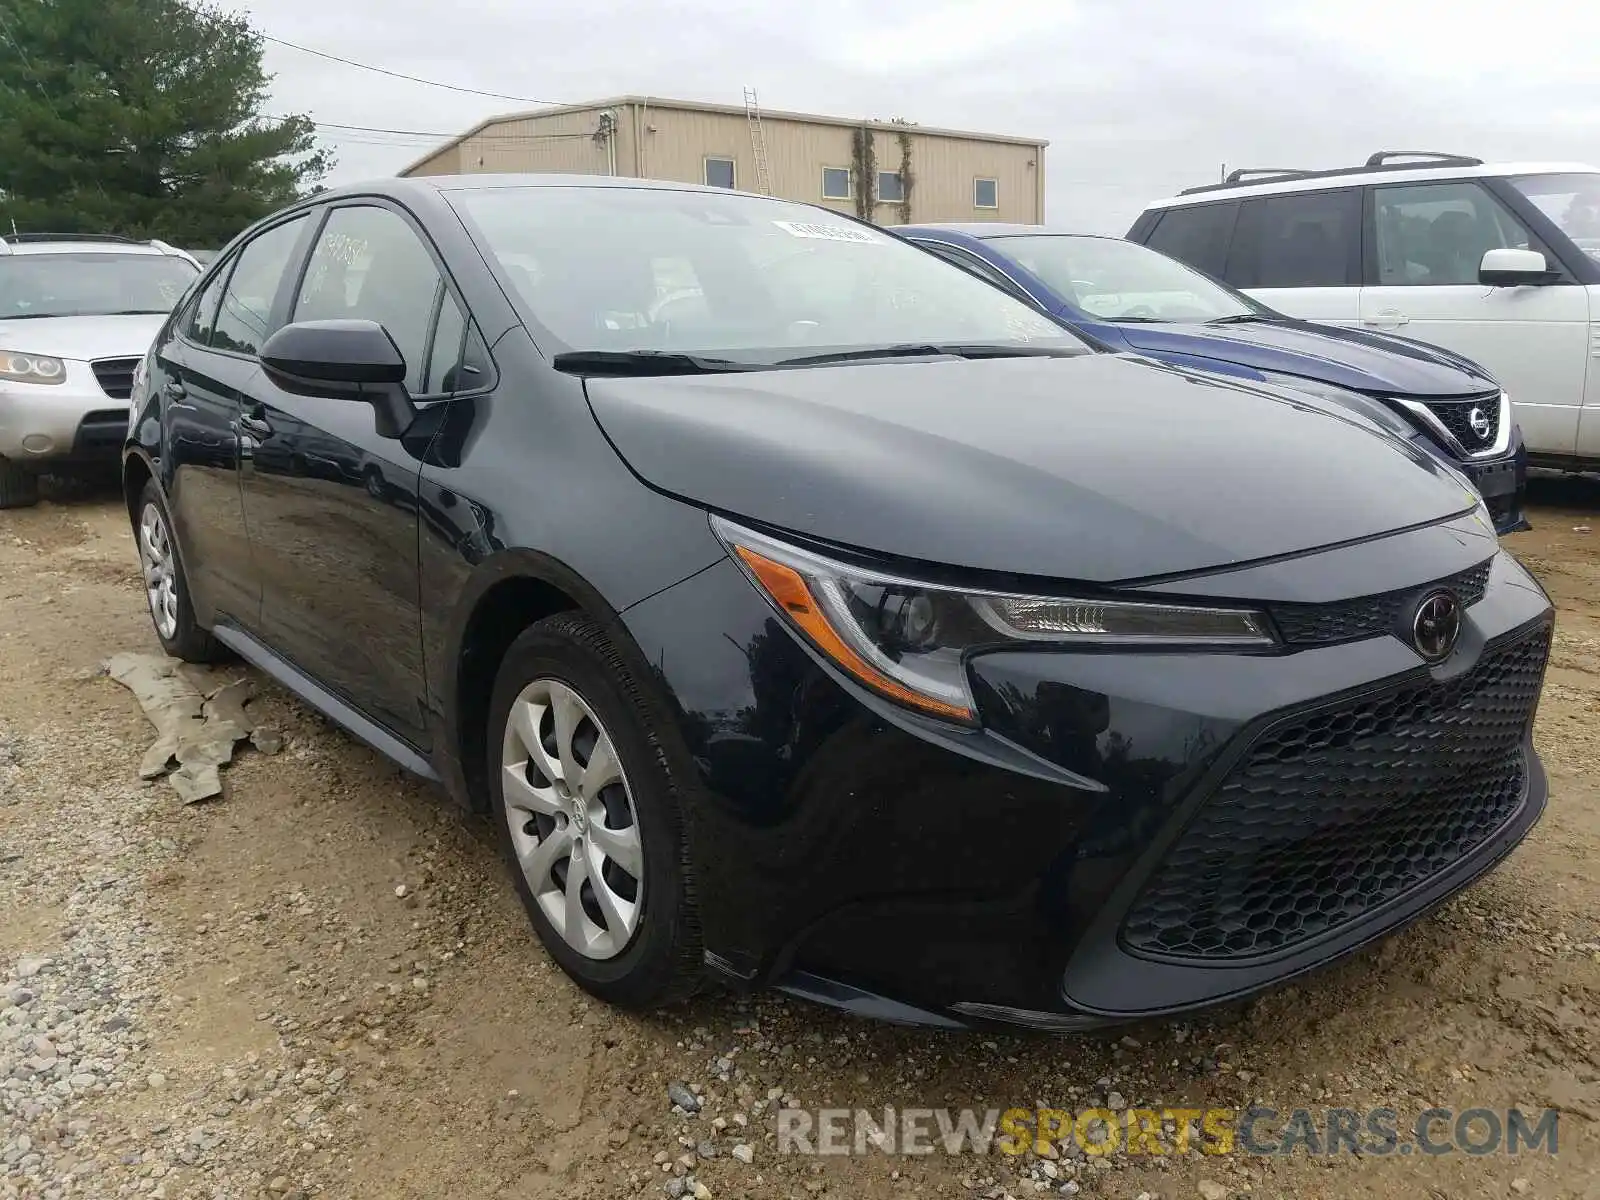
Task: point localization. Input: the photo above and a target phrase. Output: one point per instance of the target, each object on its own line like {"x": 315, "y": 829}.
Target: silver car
{"x": 77, "y": 314}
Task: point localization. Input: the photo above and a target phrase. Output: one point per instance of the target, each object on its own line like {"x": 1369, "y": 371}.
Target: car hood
{"x": 127, "y": 335}
{"x": 1349, "y": 358}
{"x": 1100, "y": 468}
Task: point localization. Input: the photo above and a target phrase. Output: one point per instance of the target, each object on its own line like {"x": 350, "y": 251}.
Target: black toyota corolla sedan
{"x": 809, "y": 613}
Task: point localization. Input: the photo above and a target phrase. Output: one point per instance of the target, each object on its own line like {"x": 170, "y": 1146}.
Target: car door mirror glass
{"x": 1514, "y": 268}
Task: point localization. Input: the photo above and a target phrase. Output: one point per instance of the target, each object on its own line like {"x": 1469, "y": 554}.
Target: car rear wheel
{"x": 165, "y": 587}
{"x": 588, "y": 816}
{"x": 19, "y": 485}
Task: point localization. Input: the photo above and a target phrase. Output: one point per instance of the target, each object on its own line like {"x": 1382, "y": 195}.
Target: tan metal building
{"x": 913, "y": 172}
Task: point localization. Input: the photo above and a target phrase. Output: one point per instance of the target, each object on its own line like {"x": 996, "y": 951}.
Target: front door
{"x": 332, "y": 507}
{"x": 1422, "y": 282}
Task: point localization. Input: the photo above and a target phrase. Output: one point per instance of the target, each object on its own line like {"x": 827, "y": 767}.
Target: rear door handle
{"x": 1389, "y": 318}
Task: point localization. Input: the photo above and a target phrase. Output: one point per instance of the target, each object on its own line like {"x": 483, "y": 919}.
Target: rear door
{"x": 332, "y": 506}
{"x": 1422, "y": 282}
{"x": 202, "y": 373}
{"x": 1300, "y": 253}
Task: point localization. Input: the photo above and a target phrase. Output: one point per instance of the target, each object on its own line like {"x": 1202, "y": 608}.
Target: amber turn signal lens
{"x": 788, "y": 588}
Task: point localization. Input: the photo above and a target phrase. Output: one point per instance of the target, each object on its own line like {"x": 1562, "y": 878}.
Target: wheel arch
{"x": 508, "y": 593}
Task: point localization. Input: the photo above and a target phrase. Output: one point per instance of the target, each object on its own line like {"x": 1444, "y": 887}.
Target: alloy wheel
{"x": 159, "y": 566}
{"x": 572, "y": 819}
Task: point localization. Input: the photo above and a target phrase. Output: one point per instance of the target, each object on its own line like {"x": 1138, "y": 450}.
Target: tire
{"x": 166, "y": 588}
{"x": 19, "y": 485}
{"x": 656, "y": 960}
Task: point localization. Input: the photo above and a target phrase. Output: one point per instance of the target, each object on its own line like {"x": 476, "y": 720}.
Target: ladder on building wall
{"x": 758, "y": 142}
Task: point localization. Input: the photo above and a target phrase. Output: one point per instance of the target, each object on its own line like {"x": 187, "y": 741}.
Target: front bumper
{"x": 72, "y": 421}
{"x": 850, "y": 852}
{"x": 1503, "y": 484}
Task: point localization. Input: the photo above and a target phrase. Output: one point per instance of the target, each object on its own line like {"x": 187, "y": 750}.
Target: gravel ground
{"x": 321, "y": 985}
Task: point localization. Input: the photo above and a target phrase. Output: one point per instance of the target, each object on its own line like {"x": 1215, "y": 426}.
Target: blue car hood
{"x": 1349, "y": 358}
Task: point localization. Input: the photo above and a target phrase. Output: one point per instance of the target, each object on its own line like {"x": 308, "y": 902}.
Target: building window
{"x": 985, "y": 193}
{"x": 836, "y": 183}
{"x": 719, "y": 172}
{"x": 891, "y": 189}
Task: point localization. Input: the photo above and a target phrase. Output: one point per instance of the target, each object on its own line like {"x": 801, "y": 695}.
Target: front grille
{"x": 115, "y": 376}
{"x": 1331, "y": 814}
{"x": 1456, "y": 416}
{"x": 1368, "y": 616}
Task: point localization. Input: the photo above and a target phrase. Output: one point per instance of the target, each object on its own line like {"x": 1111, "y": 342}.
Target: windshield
{"x": 1120, "y": 281}
{"x": 1571, "y": 201}
{"x": 733, "y": 277}
{"x": 92, "y": 283}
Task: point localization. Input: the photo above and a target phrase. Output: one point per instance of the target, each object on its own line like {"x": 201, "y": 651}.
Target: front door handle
{"x": 1389, "y": 318}
{"x": 253, "y": 424}
{"x": 173, "y": 389}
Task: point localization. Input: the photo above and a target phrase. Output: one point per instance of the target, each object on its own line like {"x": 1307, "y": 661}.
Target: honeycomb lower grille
{"x": 1368, "y": 616}
{"x": 1331, "y": 814}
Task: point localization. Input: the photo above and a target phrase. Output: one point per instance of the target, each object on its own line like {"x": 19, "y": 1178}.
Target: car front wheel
{"x": 19, "y": 485}
{"x": 588, "y": 816}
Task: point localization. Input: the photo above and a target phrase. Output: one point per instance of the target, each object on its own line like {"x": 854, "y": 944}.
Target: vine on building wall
{"x": 907, "y": 179}
{"x": 864, "y": 162}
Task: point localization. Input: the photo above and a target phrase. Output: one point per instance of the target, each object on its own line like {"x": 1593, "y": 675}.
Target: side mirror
{"x": 1514, "y": 268}
{"x": 343, "y": 360}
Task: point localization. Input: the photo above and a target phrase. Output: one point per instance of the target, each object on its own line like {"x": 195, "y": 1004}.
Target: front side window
{"x": 891, "y": 188}
{"x": 1116, "y": 280}
{"x": 1198, "y": 236}
{"x": 985, "y": 193}
{"x": 719, "y": 172}
{"x": 836, "y": 183}
{"x": 1436, "y": 234}
{"x": 1571, "y": 201}
{"x": 91, "y": 283}
{"x": 245, "y": 317}
{"x": 731, "y": 276}
{"x": 1302, "y": 239}
{"x": 370, "y": 265}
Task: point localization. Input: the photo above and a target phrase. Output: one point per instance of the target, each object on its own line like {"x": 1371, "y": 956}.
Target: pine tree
{"x": 142, "y": 118}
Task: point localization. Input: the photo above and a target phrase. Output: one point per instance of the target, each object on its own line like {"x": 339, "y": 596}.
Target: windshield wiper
{"x": 1138, "y": 320}
{"x": 930, "y": 350}
{"x": 645, "y": 362}
{"x": 1241, "y": 319}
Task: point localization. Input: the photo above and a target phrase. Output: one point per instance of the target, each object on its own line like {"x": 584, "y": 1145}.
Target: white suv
{"x": 1499, "y": 263}
{"x": 77, "y": 314}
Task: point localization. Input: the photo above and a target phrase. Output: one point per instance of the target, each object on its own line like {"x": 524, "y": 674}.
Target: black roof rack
{"x": 1268, "y": 174}
{"x": 1434, "y": 157}
{"x": 19, "y": 239}
{"x": 1383, "y": 160}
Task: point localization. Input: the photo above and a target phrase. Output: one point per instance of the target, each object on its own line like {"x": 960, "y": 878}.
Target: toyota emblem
{"x": 1436, "y": 626}
{"x": 1479, "y": 420}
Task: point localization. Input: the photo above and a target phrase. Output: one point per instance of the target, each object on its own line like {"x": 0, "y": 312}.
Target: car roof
{"x": 68, "y": 246}
{"x": 486, "y": 181}
{"x": 1312, "y": 181}
{"x": 988, "y": 230}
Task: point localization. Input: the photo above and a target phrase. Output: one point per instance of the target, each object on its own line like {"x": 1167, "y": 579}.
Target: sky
{"x": 1138, "y": 98}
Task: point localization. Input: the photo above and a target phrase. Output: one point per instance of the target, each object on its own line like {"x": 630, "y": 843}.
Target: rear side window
{"x": 244, "y": 321}
{"x": 202, "y": 314}
{"x": 1303, "y": 239}
{"x": 1198, "y": 235}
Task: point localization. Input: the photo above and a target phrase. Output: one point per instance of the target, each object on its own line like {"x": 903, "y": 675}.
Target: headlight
{"x": 908, "y": 640}
{"x": 31, "y": 368}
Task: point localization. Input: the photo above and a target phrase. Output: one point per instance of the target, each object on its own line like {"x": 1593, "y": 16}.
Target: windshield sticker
{"x": 826, "y": 233}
